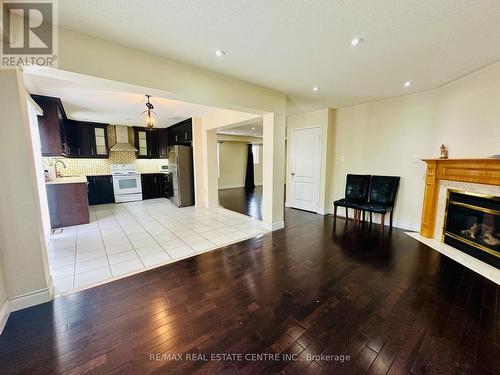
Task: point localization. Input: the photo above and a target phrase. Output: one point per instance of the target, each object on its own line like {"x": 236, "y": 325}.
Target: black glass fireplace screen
{"x": 473, "y": 225}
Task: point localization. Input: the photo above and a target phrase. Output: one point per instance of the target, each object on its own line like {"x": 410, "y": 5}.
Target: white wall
{"x": 232, "y": 164}
{"x": 33, "y": 112}
{"x": 389, "y": 137}
{"x": 22, "y": 245}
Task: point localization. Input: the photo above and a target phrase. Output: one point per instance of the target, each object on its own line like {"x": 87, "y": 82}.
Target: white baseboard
{"x": 401, "y": 224}
{"x": 274, "y": 226}
{"x": 24, "y": 301}
{"x": 4, "y": 315}
{"x": 223, "y": 187}
{"x": 30, "y": 299}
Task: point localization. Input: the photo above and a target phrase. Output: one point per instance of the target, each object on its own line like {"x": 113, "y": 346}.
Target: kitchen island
{"x": 68, "y": 201}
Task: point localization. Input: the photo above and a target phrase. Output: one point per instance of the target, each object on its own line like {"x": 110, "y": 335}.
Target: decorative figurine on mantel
{"x": 444, "y": 152}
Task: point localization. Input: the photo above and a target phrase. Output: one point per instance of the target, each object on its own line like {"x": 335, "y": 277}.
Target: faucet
{"x": 58, "y": 174}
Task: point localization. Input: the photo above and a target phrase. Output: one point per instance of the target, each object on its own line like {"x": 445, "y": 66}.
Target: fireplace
{"x": 472, "y": 225}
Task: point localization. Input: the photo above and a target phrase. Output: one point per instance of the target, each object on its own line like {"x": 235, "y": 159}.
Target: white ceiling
{"x": 250, "y": 128}
{"x": 93, "y": 103}
{"x": 291, "y": 46}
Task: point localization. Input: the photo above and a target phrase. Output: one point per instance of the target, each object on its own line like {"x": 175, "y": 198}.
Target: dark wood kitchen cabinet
{"x": 100, "y": 189}
{"x": 86, "y": 139}
{"x": 68, "y": 204}
{"x": 181, "y": 133}
{"x": 153, "y": 185}
{"x": 163, "y": 143}
{"x": 51, "y": 126}
{"x": 71, "y": 132}
{"x": 60, "y": 136}
{"x": 151, "y": 143}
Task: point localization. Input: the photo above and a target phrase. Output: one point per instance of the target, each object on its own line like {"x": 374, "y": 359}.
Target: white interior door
{"x": 304, "y": 168}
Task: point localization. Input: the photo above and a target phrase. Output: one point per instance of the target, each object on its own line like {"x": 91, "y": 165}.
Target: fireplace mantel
{"x": 480, "y": 171}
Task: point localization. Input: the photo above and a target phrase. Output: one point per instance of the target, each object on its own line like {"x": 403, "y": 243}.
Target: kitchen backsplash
{"x": 89, "y": 166}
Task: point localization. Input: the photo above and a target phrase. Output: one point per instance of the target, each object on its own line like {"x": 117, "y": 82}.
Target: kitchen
{"x": 116, "y": 163}
{"x": 121, "y": 198}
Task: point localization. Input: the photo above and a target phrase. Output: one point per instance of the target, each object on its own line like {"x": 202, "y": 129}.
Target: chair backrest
{"x": 383, "y": 189}
{"x": 357, "y": 187}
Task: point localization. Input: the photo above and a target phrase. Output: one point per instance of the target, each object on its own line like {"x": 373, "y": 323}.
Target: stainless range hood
{"x": 121, "y": 140}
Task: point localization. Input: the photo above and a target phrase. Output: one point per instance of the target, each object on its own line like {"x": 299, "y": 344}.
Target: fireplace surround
{"x": 474, "y": 171}
{"x": 474, "y": 179}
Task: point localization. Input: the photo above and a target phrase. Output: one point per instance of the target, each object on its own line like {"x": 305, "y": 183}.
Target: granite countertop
{"x": 68, "y": 180}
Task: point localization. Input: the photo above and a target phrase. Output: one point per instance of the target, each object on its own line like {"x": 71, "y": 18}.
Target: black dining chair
{"x": 382, "y": 197}
{"x": 356, "y": 192}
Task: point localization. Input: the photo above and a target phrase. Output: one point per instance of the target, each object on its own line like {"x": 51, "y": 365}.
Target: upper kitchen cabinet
{"x": 71, "y": 132}
{"x": 151, "y": 143}
{"x": 163, "y": 143}
{"x": 51, "y": 126}
{"x": 86, "y": 139}
{"x": 181, "y": 133}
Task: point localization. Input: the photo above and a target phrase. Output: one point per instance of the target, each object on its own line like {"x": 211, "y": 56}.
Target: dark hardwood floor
{"x": 245, "y": 202}
{"x": 391, "y": 304}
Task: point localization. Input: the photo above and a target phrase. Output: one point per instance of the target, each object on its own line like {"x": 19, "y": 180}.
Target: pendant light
{"x": 149, "y": 110}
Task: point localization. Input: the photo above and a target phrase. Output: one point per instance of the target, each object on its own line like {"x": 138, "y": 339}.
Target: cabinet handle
{"x": 92, "y": 150}
{"x": 185, "y": 135}
{"x": 176, "y": 137}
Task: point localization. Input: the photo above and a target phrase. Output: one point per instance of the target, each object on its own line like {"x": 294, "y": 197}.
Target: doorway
{"x": 240, "y": 147}
{"x": 305, "y": 159}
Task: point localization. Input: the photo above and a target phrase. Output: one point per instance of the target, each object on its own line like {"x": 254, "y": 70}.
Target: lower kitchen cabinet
{"x": 153, "y": 185}
{"x": 100, "y": 189}
{"x": 68, "y": 204}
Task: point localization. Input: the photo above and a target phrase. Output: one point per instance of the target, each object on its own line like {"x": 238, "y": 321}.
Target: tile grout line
{"x": 103, "y": 244}
{"x": 126, "y": 235}
{"x": 74, "y": 258}
{"x": 134, "y": 216}
{"x": 223, "y": 210}
{"x": 185, "y": 243}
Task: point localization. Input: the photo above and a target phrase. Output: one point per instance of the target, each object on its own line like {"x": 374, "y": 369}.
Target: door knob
{"x": 293, "y": 174}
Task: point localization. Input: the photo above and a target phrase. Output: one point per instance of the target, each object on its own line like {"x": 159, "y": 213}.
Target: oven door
{"x": 127, "y": 184}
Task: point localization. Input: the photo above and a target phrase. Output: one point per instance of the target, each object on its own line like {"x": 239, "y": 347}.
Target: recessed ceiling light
{"x": 356, "y": 41}
{"x": 408, "y": 84}
{"x": 315, "y": 88}
{"x": 253, "y": 128}
{"x": 219, "y": 53}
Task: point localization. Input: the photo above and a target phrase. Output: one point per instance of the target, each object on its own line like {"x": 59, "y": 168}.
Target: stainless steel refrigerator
{"x": 180, "y": 166}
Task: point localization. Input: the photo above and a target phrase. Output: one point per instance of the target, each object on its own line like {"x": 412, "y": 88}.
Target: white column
{"x": 273, "y": 165}
{"x": 210, "y": 183}
{"x": 199, "y": 196}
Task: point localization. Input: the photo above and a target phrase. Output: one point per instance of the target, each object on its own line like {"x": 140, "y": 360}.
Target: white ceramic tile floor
{"x": 130, "y": 237}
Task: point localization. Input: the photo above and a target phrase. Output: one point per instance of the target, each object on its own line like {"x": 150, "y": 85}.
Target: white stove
{"x": 126, "y": 183}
